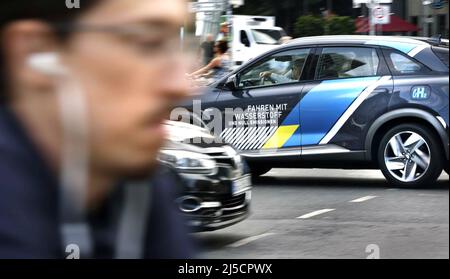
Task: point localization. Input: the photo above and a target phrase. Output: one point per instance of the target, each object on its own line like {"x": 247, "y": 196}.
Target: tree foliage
{"x": 340, "y": 25}
{"x": 315, "y": 26}
{"x": 309, "y": 26}
{"x": 288, "y": 11}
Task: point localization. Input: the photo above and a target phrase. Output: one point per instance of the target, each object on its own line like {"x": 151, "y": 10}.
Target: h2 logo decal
{"x": 71, "y": 4}
{"x": 421, "y": 92}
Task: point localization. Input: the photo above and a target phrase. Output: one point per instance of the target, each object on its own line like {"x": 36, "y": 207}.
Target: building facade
{"x": 431, "y": 16}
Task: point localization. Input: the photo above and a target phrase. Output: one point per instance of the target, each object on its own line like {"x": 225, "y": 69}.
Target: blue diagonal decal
{"x": 322, "y": 106}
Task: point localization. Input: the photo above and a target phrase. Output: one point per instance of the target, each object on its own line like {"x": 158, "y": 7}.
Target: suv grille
{"x": 234, "y": 201}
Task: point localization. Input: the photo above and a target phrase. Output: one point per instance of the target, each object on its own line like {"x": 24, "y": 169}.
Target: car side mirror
{"x": 232, "y": 82}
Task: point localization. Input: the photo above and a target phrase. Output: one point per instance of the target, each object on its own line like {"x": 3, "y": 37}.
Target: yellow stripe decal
{"x": 281, "y": 136}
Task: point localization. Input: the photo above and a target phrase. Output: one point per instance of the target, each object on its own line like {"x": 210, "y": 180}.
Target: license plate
{"x": 241, "y": 184}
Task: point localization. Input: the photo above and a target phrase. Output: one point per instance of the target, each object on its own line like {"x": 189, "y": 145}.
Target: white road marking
{"x": 429, "y": 195}
{"x": 366, "y": 198}
{"x": 248, "y": 240}
{"x": 314, "y": 213}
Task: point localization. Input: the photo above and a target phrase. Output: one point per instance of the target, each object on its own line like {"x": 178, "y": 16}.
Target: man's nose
{"x": 175, "y": 85}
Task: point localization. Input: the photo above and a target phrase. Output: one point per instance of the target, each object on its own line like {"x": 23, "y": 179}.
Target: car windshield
{"x": 267, "y": 36}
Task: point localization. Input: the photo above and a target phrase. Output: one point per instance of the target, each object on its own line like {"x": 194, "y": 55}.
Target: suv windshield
{"x": 267, "y": 36}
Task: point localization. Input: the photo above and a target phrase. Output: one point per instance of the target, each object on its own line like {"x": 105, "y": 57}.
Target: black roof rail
{"x": 434, "y": 41}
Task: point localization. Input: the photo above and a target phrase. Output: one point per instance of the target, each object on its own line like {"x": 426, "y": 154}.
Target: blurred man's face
{"x": 132, "y": 78}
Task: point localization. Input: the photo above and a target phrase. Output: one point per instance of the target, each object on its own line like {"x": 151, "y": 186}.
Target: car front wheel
{"x": 409, "y": 155}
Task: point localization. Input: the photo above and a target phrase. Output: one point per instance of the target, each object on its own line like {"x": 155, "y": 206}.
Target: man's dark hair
{"x": 55, "y": 12}
{"x": 222, "y": 46}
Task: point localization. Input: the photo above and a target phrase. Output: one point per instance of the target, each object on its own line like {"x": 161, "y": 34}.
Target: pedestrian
{"x": 85, "y": 93}
{"x": 224, "y": 32}
{"x": 207, "y": 49}
{"x": 219, "y": 66}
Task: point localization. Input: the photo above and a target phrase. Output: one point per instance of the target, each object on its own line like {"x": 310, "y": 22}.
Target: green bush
{"x": 309, "y": 26}
{"x": 340, "y": 25}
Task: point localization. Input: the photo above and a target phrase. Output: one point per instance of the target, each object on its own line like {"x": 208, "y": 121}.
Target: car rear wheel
{"x": 409, "y": 155}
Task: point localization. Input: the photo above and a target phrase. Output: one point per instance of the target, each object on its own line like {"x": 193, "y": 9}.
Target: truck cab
{"x": 252, "y": 36}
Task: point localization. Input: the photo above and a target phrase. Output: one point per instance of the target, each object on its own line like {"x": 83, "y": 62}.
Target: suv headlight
{"x": 189, "y": 162}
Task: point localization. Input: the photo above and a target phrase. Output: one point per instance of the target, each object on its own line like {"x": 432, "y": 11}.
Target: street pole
{"x": 230, "y": 26}
{"x": 371, "y": 5}
{"x": 229, "y": 11}
{"x": 425, "y": 18}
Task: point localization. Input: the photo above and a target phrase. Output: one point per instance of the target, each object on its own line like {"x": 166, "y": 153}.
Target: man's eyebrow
{"x": 157, "y": 24}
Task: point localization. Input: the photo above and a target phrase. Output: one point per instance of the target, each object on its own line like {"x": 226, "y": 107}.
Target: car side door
{"x": 352, "y": 86}
{"x": 262, "y": 112}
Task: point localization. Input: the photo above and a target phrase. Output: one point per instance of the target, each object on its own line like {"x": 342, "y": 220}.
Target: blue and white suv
{"x": 339, "y": 102}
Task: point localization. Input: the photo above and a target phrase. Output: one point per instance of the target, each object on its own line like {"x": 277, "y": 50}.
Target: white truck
{"x": 252, "y": 36}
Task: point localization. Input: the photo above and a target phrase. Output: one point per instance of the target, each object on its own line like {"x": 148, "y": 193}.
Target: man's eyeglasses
{"x": 146, "y": 39}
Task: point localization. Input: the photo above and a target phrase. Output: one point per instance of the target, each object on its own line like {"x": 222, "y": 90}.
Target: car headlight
{"x": 189, "y": 162}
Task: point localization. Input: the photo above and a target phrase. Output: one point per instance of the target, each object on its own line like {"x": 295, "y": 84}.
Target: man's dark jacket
{"x": 29, "y": 217}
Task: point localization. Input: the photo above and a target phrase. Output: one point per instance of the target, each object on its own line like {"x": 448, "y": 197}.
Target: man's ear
{"x": 21, "y": 40}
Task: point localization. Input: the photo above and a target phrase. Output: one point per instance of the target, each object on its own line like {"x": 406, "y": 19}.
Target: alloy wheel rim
{"x": 407, "y": 156}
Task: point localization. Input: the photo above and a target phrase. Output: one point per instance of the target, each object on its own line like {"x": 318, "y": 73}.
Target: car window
{"x": 280, "y": 68}
{"x": 244, "y": 38}
{"x": 442, "y": 54}
{"x": 267, "y": 36}
{"x": 344, "y": 62}
{"x": 404, "y": 65}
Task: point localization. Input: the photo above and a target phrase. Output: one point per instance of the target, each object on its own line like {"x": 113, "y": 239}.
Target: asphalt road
{"x": 343, "y": 214}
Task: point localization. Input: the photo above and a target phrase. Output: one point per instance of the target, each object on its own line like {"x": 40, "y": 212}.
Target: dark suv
{"x": 339, "y": 102}
{"x": 216, "y": 192}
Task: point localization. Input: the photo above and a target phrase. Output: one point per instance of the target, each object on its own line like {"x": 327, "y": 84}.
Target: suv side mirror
{"x": 232, "y": 83}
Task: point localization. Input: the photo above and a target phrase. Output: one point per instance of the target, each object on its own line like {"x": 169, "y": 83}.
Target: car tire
{"x": 258, "y": 170}
{"x": 409, "y": 155}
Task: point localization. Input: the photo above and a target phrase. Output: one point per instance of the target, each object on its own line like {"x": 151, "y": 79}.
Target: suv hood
{"x": 180, "y": 131}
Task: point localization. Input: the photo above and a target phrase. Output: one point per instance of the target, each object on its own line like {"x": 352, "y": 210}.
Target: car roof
{"x": 406, "y": 45}
{"x": 358, "y": 39}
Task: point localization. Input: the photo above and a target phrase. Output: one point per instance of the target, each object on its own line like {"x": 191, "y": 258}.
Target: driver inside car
{"x": 292, "y": 75}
